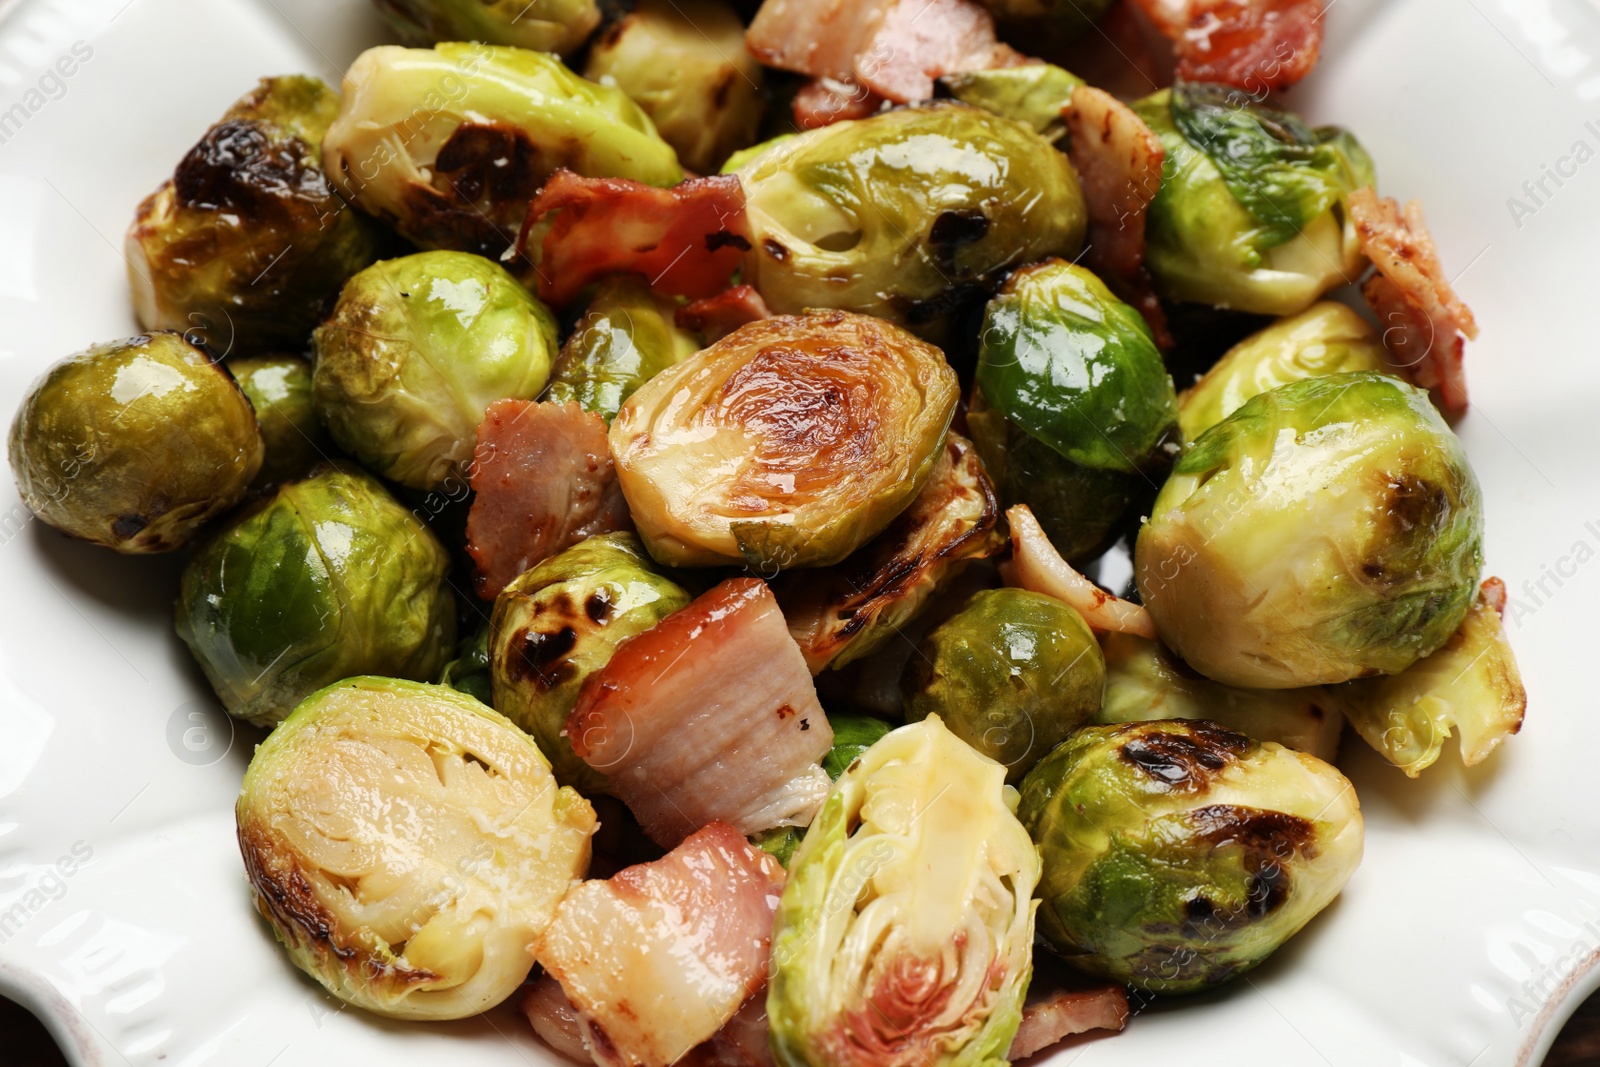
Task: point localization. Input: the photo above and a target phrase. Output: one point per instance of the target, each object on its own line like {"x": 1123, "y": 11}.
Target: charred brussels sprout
{"x": 1327, "y": 530}
{"x": 1032, "y": 94}
{"x": 625, "y": 338}
{"x": 860, "y": 925}
{"x": 1178, "y": 854}
{"x": 279, "y": 388}
{"x": 415, "y": 351}
{"x": 559, "y": 623}
{"x": 560, "y": 26}
{"x": 329, "y": 577}
{"x": 788, "y": 443}
{"x": 134, "y": 444}
{"x": 449, "y": 144}
{"x": 408, "y": 846}
{"x": 684, "y": 62}
{"x": 248, "y": 240}
{"x": 469, "y": 671}
{"x": 906, "y": 214}
{"x": 1251, "y": 211}
{"x": 1012, "y": 674}
{"x": 1073, "y": 408}
{"x": 1327, "y": 338}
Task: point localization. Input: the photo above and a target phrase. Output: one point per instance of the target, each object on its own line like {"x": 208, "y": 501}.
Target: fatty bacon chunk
{"x": 657, "y": 959}
{"x": 715, "y": 317}
{"x": 708, "y": 715}
{"x": 685, "y": 241}
{"x": 544, "y": 481}
{"x": 1036, "y": 566}
{"x": 1052, "y": 1014}
{"x": 1255, "y": 45}
{"x": 743, "y": 1041}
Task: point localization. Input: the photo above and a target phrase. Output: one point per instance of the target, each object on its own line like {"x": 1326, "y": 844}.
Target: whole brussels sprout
{"x": 1326, "y": 338}
{"x": 469, "y": 672}
{"x": 449, "y": 144}
{"x": 1251, "y": 211}
{"x": 1177, "y": 855}
{"x": 134, "y": 444}
{"x": 1011, "y": 674}
{"x": 408, "y": 846}
{"x": 913, "y": 887}
{"x": 1046, "y": 24}
{"x": 1073, "y": 408}
{"x": 279, "y": 388}
{"x": 1327, "y": 530}
{"x": 415, "y": 351}
{"x": 247, "y": 241}
{"x": 905, "y": 214}
{"x": 684, "y": 62}
{"x": 559, "y": 623}
{"x": 328, "y": 578}
{"x": 625, "y": 338}
{"x": 560, "y": 26}
{"x": 1032, "y": 94}
{"x": 788, "y": 443}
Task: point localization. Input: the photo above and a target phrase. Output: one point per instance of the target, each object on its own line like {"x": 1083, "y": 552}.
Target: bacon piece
{"x": 555, "y": 1020}
{"x": 1119, "y": 163}
{"x": 1494, "y": 594}
{"x": 686, "y": 240}
{"x": 715, "y": 317}
{"x": 1037, "y": 566}
{"x": 1052, "y": 1014}
{"x": 824, "y": 101}
{"x": 544, "y": 481}
{"x": 1254, "y": 45}
{"x": 710, "y": 714}
{"x": 660, "y": 956}
{"x": 1423, "y": 318}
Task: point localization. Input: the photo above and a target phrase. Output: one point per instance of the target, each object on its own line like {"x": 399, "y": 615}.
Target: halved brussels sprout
{"x": 1251, "y": 211}
{"x": 1145, "y": 681}
{"x": 449, "y": 144}
{"x": 1327, "y": 530}
{"x": 329, "y": 577}
{"x": 247, "y": 240}
{"x": 1073, "y": 408}
{"x": 788, "y": 443}
{"x": 134, "y": 444}
{"x": 908, "y": 214}
{"x": 1471, "y": 685}
{"x": 625, "y": 338}
{"x": 905, "y": 933}
{"x": 1032, "y": 94}
{"x": 408, "y": 846}
{"x": 684, "y": 62}
{"x": 415, "y": 351}
{"x": 745, "y": 156}
{"x": 469, "y": 671}
{"x": 560, "y": 26}
{"x": 1326, "y": 338}
{"x": 559, "y": 623}
{"x": 1178, "y": 855}
{"x": 279, "y": 388}
{"x": 1011, "y": 674}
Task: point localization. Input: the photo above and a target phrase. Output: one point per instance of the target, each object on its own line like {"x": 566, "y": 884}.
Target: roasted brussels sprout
{"x": 1326, "y": 338}
{"x": 788, "y": 443}
{"x": 557, "y": 624}
{"x": 684, "y": 62}
{"x": 1145, "y": 681}
{"x": 1178, "y": 854}
{"x": 625, "y": 338}
{"x": 904, "y": 214}
{"x": 912, "y": 889}
{"x": 279, "y": 388}
{"x": 450, "y": 144}
{"x": 134, "y": 444}
{"x": 415, "y": 351}
{"x": 248, "y": 240}
{"x": 852, "y": 736}
{"x": 1046, "y": 24}
{"x": 1251, "y": 211}
{"x": 1073, "y": 409}
{"x": 329, "y": 577}
{"x": 408, "y": 846}
{"x": 469, "y": 671}
{"x": 1032, "y": 94}
{"x": 560, "y": 26}
{"x": 1327, "y": 530}
{"x": 1011, "y": 674}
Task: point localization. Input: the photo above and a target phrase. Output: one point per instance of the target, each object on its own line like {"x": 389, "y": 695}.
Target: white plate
{"x": 1468, "y": 934}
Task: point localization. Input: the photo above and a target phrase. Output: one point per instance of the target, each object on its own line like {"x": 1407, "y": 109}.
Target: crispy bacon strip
{"x": 1422, "y": 316}
{"x": 686, "y": 240}
{"x": 715, "y": 317}
{"x": 823, "y": 101}
{"x": 1255, "y": 45}
{"x": 742, "y": 1042}
{"x": 544, "y": 481}
{"x": 1119, "y": 164}
{"x": 1053, "y": 1014}
{"x": 1037, "y": 566}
